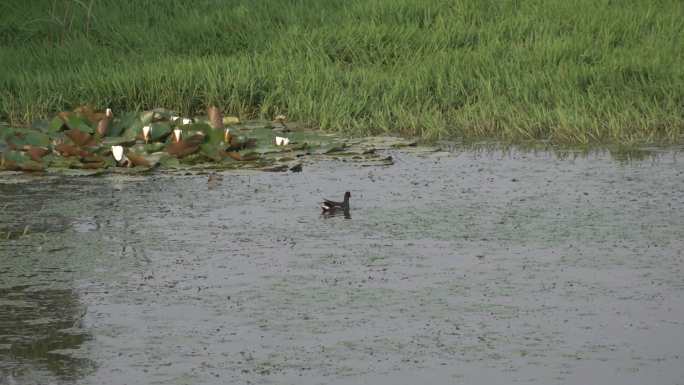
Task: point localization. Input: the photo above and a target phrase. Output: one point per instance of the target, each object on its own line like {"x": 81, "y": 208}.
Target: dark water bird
{"x": 332, "y": 207}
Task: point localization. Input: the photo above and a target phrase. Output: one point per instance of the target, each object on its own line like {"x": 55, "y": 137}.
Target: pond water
{"x": 474, "y": 267}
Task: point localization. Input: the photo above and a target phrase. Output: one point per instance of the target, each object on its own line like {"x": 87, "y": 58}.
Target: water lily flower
{"x": 146, "y": 132}
{"x": 118, "y": 152}
{"x": 280, "y": 141}
{"x": 183, "y": 120}
{"x": 177, "y": 134}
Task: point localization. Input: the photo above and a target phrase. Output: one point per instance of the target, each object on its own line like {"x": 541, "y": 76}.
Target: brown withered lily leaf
{"x": 237, "y": 143}
{"x": 80, "y": 138}
{"x": 92, "y": 165}
{"x": 69, "y": 150}
{"x": 87, "y": 157}
{"x": 25, "y": 166}
{"x": 36, "y": 153}
{"x": 18, "y": 161}
{"x": 89, "y": 113}
{"x": 185, "y": 147}
{"x": 138, "y": 160}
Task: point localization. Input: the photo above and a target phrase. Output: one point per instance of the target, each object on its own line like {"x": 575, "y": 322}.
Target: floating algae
{"x": 100, "y": 142}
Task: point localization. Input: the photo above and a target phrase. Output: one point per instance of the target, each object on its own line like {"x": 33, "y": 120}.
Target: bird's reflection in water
{"x": 336, "y": 213}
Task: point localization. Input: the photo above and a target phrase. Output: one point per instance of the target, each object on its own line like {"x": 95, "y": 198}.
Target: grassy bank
{"x": 584, "y": 71}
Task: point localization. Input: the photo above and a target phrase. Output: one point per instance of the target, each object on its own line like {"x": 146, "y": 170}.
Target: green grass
{"x": 585, "y": 71}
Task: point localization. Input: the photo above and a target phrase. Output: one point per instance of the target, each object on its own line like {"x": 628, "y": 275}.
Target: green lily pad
{"x": 194, "y": 128}
{"x": 133, "y": 131}
{"x": 54, "y": 161}
{"x": 110, "y": 141}
{"x": 79, "y": 123}
{"x": 168, "y": 161}
{"x": 56, "y": 124}
{"x": 121, "y": 122}
{"x": 212, "y": 151}
{"x": 22, "y": 137}
{"x": 17, "y": 160}
{"x": 159, "y": 131}
{"x": 153, "y": 147}
{"x": 251, "y": 146}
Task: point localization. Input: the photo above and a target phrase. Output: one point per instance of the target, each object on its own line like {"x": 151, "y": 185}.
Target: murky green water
{"x": 463, "y": 267}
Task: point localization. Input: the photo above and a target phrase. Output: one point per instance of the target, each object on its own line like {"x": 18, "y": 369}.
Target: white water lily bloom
{"x": 146, "y": 132}
{"x": 109, "y": 113}
{"x": 186, "y": 121}
{"x": 280, "y": 141}
{"x": 177, "y": 134}
{"x": 174, "y": 118}
{"x": 118, "y": 151}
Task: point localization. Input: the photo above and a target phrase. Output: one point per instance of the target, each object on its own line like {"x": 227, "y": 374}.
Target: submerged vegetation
{"x": 568, "y": 72}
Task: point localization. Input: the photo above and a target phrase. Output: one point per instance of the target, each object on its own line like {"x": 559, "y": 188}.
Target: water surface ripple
{"x": 474, "y": 267}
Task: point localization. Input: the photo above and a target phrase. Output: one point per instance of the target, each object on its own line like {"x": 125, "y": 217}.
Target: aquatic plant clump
{"x": 99, "y": 141}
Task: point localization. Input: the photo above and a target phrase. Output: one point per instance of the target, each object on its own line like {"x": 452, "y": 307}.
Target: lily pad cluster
{"x": 101, "y": 141}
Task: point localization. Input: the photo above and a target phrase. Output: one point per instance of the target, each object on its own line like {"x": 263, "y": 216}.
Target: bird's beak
{"x": 226, "y": 135}
{"x": 108, "y": 113}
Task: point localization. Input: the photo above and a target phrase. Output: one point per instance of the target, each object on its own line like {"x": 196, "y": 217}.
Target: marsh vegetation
{"x": 568, "y": 72}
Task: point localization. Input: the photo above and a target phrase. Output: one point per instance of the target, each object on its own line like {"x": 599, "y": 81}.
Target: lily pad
{"x": 117, "y": 141}
{"x": 67, "y": 142}
{"x": 144, "y": 160}
{"x": 21, "y": 137}
{"x": 56, "y": 124}
{"x": 122, "y": 122}
{"x": 18, "y": 161}
{"x": 159, "y": 131}
{"x": 74, "y": 121}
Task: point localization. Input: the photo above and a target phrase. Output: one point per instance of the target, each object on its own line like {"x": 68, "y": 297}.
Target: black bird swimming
{"x": 329, "y": 207}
